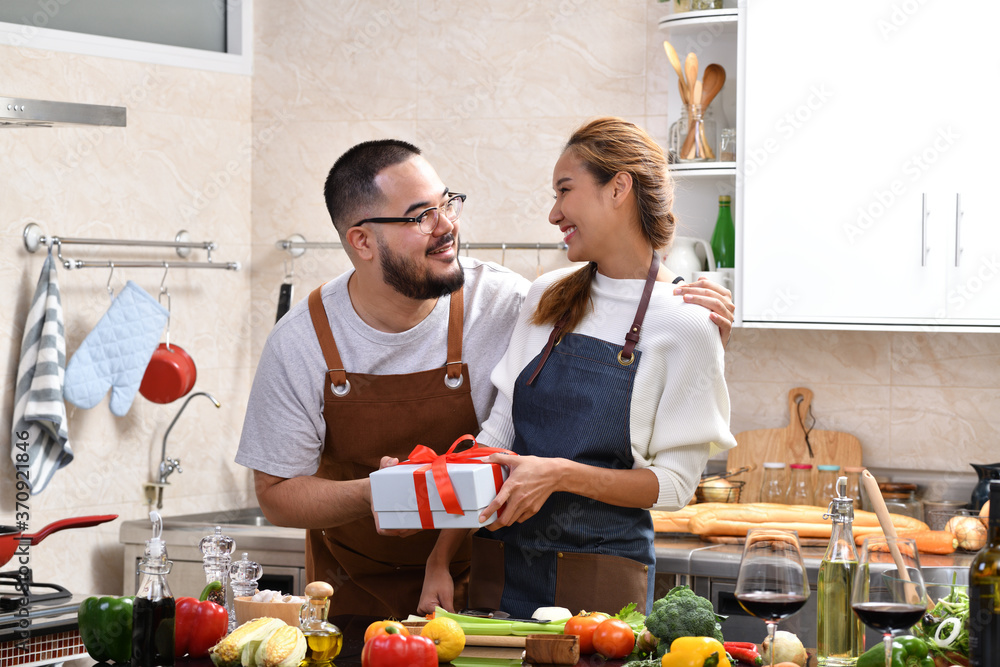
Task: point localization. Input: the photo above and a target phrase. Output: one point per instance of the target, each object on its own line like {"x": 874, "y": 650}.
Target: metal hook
{"x": 111, "y": 291}
{"x": 289, "y": 268}
{"x": 503, "y": 254}
{"x": 165, "y": 292}
{"x": 538, "y": 250}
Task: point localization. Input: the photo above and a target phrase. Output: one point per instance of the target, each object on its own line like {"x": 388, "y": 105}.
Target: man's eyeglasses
{"x": 427, "y": 221}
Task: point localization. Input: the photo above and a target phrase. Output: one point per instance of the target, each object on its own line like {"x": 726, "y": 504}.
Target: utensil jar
{"x": 693, "y": 136}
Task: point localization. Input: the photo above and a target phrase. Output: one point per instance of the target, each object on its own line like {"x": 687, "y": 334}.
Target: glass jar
{"x": 826, "y": 486}
{"x": 693, "y": 136}
{"x": 901, "y": 498}
{"x": 800, "y": 490}
{"x": 697, "y": 5}
{"x": 853, "y": 474}
{"x": 773, "y": 486}
{"x": 727, "y": 145}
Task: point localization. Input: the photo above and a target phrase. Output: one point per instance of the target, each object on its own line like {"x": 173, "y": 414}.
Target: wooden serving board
{"x": 513, "y": 641}
{"x": 788, "y": 445}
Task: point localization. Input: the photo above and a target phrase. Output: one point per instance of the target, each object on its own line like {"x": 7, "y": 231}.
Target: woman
{"x": 611, "y": 393}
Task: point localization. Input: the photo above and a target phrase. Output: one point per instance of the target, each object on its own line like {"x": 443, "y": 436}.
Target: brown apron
{"x": 368, "y": 417}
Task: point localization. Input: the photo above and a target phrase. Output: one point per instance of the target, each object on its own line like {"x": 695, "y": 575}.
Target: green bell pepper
{"x": 907, "y": 651}
{"x": 106, "y": 628}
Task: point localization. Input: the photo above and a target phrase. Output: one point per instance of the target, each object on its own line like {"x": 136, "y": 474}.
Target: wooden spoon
{"x": 712, "y": 82}
{"x": 676, "y": 62}
{"x": 691, "y": 72}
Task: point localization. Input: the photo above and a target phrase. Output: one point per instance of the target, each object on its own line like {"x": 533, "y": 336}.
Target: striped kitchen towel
{"x": 39, "y": 412}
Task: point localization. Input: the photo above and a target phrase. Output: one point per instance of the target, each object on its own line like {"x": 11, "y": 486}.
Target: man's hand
{"x": 716, "y": 298}
{"x": 401, "y": 532}
{"x": 527, "y": 487}
{"x": 438, "y": 591}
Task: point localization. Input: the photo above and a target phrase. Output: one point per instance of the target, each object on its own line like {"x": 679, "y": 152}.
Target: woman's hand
{"x": 716, "y": 298}
{"x": 530, "y": 483}
{"x": 438, "y": 590}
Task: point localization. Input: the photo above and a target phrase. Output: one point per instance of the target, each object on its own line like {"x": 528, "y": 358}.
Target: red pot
{"x": 170, "y": 375}
{"x": 11, "y": 538}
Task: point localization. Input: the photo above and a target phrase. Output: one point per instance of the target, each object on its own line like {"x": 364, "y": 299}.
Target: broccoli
{"x": 683, "y": 613}
{"x": 643, "y": 663}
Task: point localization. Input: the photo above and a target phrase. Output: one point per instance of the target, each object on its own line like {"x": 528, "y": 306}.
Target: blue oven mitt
{"x": 115, "y": 354}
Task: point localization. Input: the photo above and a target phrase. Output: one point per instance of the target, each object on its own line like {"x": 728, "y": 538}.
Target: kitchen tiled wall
{"x": 160, "y": 174}
{"x": 490, "y": 90}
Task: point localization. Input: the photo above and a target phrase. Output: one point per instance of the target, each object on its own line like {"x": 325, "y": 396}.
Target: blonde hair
{"x": 608, "y": 146}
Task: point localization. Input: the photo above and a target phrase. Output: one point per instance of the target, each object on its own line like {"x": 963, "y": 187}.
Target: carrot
{"x": 928, "y": 541}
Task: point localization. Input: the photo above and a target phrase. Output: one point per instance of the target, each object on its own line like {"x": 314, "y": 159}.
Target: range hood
{"x": 18, "y": 112}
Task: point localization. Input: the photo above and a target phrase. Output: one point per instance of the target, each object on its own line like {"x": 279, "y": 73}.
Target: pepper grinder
{"x": 217, "y": 552}
{"x": 243, "y": 576}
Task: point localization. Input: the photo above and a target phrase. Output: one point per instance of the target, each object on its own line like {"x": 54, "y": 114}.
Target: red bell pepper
{"x": 744, "y": 652}
{"x": 199, "y": 624}
{"x": 394, "y": 650}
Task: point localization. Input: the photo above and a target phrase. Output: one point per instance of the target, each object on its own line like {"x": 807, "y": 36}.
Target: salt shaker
{"x": 243, "y": 576}
{"x": 216, "y": 557}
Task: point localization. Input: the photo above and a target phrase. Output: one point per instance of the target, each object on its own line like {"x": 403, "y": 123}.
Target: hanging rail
{"x": 296, "y": 245}
{"x": 34, "y": 238}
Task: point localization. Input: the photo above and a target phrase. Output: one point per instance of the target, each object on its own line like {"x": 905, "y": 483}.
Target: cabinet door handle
{"x": 958, "y": 228}
{"x": 924, "y": 214}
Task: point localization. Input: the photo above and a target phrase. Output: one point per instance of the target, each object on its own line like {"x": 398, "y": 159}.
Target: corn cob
{"x": 285, "y": 647}
{"x": 229, "y": 651}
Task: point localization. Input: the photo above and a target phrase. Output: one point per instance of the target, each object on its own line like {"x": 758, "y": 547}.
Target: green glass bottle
{"x": 724, "y": 236}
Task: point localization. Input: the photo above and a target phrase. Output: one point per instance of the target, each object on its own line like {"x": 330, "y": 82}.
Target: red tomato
{"x": 614, "y": 638}
{"x": 583, "y": 625}
{"x": 395, "y": 650}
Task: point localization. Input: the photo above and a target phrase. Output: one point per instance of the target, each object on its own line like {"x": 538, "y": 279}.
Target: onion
{"x": 984, "y": 514}
{"x": 956, "y": 628}
{"x": 716, "y": 491}
{"x": 969, "y": 531}
{"x": 552, "y": 614}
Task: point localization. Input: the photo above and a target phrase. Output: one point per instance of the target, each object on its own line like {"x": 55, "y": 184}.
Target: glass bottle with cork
{"x": 800, "y": 490}
{"x": 153, "y": 608}
{"x": 839, "y": 634}
{"x": 323, "y": 639}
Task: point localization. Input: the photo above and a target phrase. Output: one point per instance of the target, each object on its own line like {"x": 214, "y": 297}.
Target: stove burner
{"x": 17, "y": 589}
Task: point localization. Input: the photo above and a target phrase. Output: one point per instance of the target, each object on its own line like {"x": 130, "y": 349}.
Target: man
{"x": 376, "y": 361}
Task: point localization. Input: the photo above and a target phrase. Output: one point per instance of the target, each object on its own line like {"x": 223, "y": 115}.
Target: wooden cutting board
{"x": 788, "y": 445}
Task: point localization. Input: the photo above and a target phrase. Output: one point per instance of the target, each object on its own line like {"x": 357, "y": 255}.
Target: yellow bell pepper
{"x": 696, "y": 652}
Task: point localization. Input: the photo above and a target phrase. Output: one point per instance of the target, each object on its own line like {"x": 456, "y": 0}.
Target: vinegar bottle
{"x": 984, "y": 593}
{"x": 323, "y": 639}
{"x": 153, "y": 608}
{"x": 839, "y": 635}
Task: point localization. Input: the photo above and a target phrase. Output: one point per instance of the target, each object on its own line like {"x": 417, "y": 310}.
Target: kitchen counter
{"x": 710, "y": 569}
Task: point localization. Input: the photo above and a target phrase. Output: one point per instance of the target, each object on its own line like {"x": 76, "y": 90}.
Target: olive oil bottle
{"x": 839, "y": 636}
{"x": 323, "y": 639}
{"x": 984, "y": 593}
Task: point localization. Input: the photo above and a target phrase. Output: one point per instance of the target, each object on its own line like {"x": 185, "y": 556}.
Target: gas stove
{"x": 37, "y": 621}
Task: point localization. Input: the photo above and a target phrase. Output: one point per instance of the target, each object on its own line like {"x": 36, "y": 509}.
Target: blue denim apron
{"x": 575, "y": 552}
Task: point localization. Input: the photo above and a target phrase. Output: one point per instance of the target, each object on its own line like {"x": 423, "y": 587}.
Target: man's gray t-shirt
{"x": 284, "y": 430}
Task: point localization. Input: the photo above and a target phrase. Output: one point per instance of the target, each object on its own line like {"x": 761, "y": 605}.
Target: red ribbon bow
{"x": 438, "y": 464}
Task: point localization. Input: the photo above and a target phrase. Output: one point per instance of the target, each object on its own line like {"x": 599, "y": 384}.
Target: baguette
{"x": 737, "y": 519}
{"x": 677, "y": 521}
{"x": 939, "y": 542}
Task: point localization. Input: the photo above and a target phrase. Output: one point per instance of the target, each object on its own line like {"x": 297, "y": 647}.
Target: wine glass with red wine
{"x": 772, "y": 582}
{"x": 889, "y": 592}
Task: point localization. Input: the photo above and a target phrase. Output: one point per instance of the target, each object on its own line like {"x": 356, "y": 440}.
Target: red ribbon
{"x": 438, "y": 464}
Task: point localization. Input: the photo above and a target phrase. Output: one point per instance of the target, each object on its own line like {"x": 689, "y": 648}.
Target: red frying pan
{"x": 11, "y": 538}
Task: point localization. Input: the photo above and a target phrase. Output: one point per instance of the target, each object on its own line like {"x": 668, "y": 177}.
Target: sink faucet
{"x": 169, "y": 465}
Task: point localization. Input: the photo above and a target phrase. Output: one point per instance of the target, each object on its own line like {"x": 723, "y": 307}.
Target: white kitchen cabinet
{"x": 713, "y": 36}
{"x": 862, "y": 125}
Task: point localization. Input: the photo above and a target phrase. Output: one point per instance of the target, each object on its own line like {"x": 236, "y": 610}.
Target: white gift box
{"x": 394, "y": 497}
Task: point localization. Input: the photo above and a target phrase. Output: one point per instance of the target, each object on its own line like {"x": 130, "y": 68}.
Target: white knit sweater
{"x": 680, "y": 404}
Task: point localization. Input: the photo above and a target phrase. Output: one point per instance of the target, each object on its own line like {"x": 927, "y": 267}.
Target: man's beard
{"x": 404, "y": 276}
